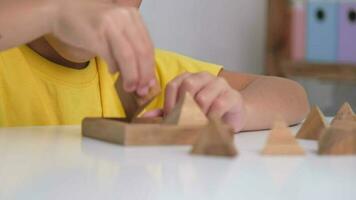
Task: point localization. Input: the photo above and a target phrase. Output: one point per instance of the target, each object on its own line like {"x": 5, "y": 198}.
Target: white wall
{"x": 231, "y": 33}
{"x": 227, "y": 32}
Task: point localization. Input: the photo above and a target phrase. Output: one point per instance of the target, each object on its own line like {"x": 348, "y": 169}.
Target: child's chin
{"x": 68, "y": 52}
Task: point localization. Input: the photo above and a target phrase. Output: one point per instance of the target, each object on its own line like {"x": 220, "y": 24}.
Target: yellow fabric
{"x": 35, "y": 91}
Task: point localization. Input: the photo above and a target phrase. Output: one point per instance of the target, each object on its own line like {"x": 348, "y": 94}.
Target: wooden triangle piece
{"x": 338, "y": 139}
{"x": 282, "y": 142}
{"x": 132, "y": 104}
{"x": 313, "y": 125}
{"x": 344, "y": 113}
{"x": 216, "y": 139}
{"x": 186, "y": 112}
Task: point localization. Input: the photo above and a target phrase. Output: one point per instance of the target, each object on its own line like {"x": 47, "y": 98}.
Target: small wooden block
{"x": 186, "y": 112}
{"x": 339, "y": 139}
{"x": 120, "y": 132}
{"x": 344, "y": 113}
{"x": 133, "y": 104}
{"x": 282, "y": 142}
{"x": 217, "y": 139}
{"x": 313, "y": 125}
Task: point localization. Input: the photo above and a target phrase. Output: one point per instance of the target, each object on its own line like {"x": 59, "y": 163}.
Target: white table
{"x": 57, "y": 163}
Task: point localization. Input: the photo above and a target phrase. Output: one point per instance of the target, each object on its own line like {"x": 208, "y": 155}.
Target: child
{"x": 49, "y": 74}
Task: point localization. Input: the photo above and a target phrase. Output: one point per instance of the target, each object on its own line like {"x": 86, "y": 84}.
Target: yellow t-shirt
{"x": 35, "y": 91}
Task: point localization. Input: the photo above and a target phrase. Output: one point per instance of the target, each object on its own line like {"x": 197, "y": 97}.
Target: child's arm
{"x": 267, "y": 98}
{"x": 115, "y": 33}
{"x": 246, "y": 102}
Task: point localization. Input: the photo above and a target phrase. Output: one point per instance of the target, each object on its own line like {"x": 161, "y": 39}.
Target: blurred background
{"x": 238, "y": 35}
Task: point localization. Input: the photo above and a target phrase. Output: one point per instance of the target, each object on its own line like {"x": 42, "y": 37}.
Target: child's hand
{"x": 115, "y": 33}
{"x": 213, "y": 94}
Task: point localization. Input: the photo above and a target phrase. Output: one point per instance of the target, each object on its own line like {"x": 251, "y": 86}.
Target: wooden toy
{"x": 281, "y": 141}
{"x": 216, "y": 139}
{"x": 313, "y": 125}
{"x": 121, "y": 132}
{"x": 149, "y": 131}
{"x": 133, "y": 104}
{"x": 338, "y": 139}
{"x": 186, "y": 112}
{"x": 344, "y": 113}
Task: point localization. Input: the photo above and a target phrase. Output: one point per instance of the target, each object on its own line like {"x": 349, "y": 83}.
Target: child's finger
{"x": 153, "y": 113}
{"x": 172, "y": 92}
{"x": 223, "y": 104}
{"x": 210, "y": 92}
{"x": 143, "y": 51}
{"x": 194, "y": 83}
{"x": 149, "y": 68}
{"x": 125, "y": 56}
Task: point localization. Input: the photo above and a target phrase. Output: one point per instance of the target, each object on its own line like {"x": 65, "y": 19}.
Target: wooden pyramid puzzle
{"x": 282, "y": 142}
{"x": 216, "y": 139}
{"x": 180, "y": 129}
{"x": 344, "y": 113}
{"x": 313, "y": 125}
{"x": 187, "y": 112}
{"x": 339, "y": 139}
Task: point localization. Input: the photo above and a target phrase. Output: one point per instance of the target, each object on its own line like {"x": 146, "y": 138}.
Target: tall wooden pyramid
{"x": 313, "y": 125}
{"x": 282, "y": 142}
{"x": 216, "y": 139}
{"x": 344, "y": 113}
{"x": 338, "y": 139}
{"x": 186, "y": 112}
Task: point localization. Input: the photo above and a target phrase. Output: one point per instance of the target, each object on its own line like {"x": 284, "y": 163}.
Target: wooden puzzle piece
{"x": 216, "y": 139}
{"x": 338, "y": 139}
{"x": 282, "y": 142}
{"x": 344, "y": 113}
{"x": 147, "y": 120}
{"x": 186, "y": 112}
{"x": 121, "y": 132}
{"x": 133, "y": 104}
{"x": 313, "y": 125}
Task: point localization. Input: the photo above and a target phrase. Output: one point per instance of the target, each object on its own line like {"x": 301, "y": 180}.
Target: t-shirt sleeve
{"x": 169, "y": 65}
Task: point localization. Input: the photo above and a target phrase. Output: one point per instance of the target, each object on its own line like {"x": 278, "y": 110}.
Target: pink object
{"x": 347, "y": 34}
{"x": 298, "y": 32}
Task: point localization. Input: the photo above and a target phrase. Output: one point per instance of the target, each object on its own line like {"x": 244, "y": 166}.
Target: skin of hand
{"x": 213, "y": 94}
{"x": 243, "y": 101}
{"x": 113, "y": 32}
{"x": 80, "y": 29}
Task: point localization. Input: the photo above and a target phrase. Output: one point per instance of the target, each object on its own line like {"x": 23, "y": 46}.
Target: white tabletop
{"x": 57, "y": 163}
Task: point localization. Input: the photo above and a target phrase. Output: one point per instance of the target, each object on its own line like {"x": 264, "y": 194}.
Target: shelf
{"x": 324, "y": 71}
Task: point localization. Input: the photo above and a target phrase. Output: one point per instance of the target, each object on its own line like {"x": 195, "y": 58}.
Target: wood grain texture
{"x": 278, "y": 36}
{"x": 216, "y": 139}
{"x": 344, "y": 113}
{"x": 313, "y": 125}
{"x": 133, "y": 104}
{"x": 338, "y": 139}
{"x": 282, "y": 142}
{"x": 120, "y": 132}
{"x": 186, "y": 112}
